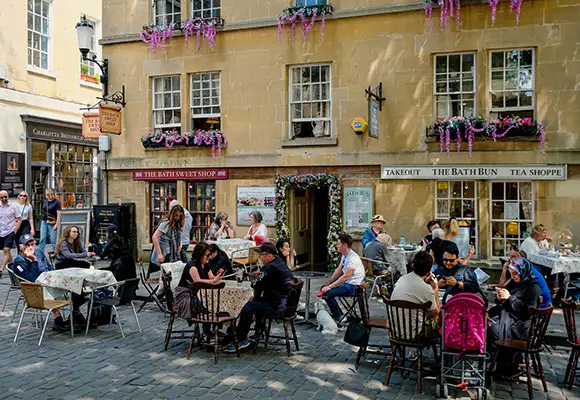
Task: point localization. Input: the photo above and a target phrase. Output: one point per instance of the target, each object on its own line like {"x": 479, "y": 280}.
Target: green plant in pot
{"x": 84, "y": 69}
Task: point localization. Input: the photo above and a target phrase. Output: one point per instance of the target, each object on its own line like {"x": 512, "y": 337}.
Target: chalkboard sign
{"x": 80, "y": 218}
{"x": 462, "y": 241}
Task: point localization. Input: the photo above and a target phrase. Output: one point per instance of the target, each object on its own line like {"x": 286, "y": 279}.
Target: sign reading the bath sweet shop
{"x": 180, "y": 174}
{"x": 484, "y": 172}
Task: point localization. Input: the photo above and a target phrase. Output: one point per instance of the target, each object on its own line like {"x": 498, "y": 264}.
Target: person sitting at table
{"x": 283, "y": 248}
{"x": 349, "y": 274}
{"x": 221, "y": 228}
{"x": 455, "y": 275}
{"x": 218, "y": 259}
{"x": 196, "y": 270}
{"x": 376, "y": 228}
{"x": 70, "y": 250}
{"x": 431, "y": 226}
{"x": 537, "y": 241}
{"x": 122, "y": 263}
{"x": 505, "y": 278}
{"x": 377, "y": 251}
{"x": 511, "y": 319}
{"x": 438, "y": 245}
{"x": 167, "y": 239}
{"x": 269, "y": 299}
{"x": 258, "y": 232}
{"x": 29, "y": 264}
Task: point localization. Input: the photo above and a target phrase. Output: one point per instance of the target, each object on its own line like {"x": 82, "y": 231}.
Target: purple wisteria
{"x": 307, "y": 17}
{"x": 213, "y": 139}
{"x": 205, "y": 28}
{"x": 449, "y": 8}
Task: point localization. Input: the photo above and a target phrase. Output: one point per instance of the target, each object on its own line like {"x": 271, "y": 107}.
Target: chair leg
{"x": 6, "y": 300}
{"x": 136, "y": 317}
{"x": 288, "y": 349}
{"x": 529, "y": 376}
{"x": 89, "y": 315}
{"x": 267, "y": 339}
{"x": 419, "y": 373}
{"x": 373, "y": 288}
{"x": 216, "y": 342}
{"x": 191, "y": 344}
{"x": 391, "y": 365}
{"x": 235, "y": 338}
{"x": 118, "y": 320}
{"x": 169, "y": 329}
{"x": 294, "y": 334}
{"x": 44, "y": 326}
{"x": 16, "y": 308}
{"x": 259, "y": 327}
{"x": 574, "y": 366}
{"x": 541, "y": 372}
{"x": 569, "y": 366}
{"x": 19, "y": 324}
{"x": 362, "y": 349}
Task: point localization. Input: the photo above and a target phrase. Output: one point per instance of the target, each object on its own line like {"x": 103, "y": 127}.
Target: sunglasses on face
{"x": 449, "y": 260}
{"x": 23, "y": 195}
{"x": 3, "y": 197}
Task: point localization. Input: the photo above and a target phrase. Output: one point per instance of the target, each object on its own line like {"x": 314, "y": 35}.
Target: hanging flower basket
{"x": 213, "y": 139}
{"x": 451, "y": 7}
{"x": 283, "y": 182}
{"x": 458, "y": 129}
{"x": 199, "y": 27}
{"x": 307, "y": 16}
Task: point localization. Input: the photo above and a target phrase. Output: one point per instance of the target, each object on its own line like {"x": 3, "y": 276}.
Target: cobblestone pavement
{"x": 104, "y": 365}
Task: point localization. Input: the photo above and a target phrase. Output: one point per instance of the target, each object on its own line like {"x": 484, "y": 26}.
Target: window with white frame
{"x": 167, "y": 103}
{"x": 310, "y": 101}
{"x": 454, "y": 85}
{"x": 206, "y": 100}
{"x": 512, "y": 215}
{"x": 166, "y": 12}
{"x": 458, "y": 199}
{"x": 206, "y": 8}
{"x": 305, "y": 3}
{"x": 39, "y": 33}
{"x": 87, "y": 67}
{"x": 512, "y": 82}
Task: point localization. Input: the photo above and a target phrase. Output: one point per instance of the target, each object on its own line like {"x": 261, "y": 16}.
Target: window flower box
{"x": 205, "y": 28}
{"x": 458, "y": 129}
{"x": 291, "y": 15}
{"x": 199, "y": 138}
{"x": 91, "y": 79}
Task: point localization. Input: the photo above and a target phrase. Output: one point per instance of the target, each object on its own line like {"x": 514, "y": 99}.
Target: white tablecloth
{"x": 399, "y": 258}
{"x": 234, "y": 245}
{"x": 75, "y": 279}
{"x": 562, "y": 264}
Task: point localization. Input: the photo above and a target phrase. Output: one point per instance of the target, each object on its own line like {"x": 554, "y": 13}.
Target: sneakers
{"x": 60, "y": 325}
{"x": 242, "y": 345}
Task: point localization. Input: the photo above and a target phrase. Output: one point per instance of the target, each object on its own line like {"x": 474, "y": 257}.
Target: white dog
{"x": 325, "y": 321}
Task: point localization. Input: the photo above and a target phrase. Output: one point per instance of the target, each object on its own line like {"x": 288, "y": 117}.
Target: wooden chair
{"x": 33, "y": 294}
{"x": 370, "y": 276}
{"x": 539, "y": 321}
{"x": 407, "y": 329}
{"x": 206, "y": 312}
{"x": 172, "y": 311}
{"x": 569, "y": 310}
{"x": 151, "y": 285}
{"x": 294, "y": 290}
{"x": 246, "y": 263}
{"x": 369, "y": 323}
{"x": 13, "y": 286}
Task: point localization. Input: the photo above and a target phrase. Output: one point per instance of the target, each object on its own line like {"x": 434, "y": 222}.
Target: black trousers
{"x": 77, "y": 299}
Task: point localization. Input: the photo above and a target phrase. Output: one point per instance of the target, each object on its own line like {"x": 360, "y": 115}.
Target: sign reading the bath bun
{"x": 110, "y": 119}
{"x": 486, "y": 172}
{"x": 180, "y": 174}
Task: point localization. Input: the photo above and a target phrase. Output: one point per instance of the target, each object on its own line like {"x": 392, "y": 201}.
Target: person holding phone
{"x": 453, "y": 275}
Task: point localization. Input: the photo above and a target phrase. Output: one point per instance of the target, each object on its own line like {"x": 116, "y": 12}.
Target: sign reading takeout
{"x": 485, "y": 172}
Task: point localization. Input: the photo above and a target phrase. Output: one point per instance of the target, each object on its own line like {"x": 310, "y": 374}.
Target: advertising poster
{"x": 358, "y": 207}
{"x": 262, "y": 199}
{"x": 12, "y": 167}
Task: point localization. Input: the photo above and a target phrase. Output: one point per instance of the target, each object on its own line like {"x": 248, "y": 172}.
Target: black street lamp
{"x": 84, "y": 36}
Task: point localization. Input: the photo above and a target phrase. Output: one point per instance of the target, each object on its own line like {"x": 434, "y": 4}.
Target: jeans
{"x": 259, "y": 309}
{"x": 45, "y": 231}
{"x": 183, "y": 253}
{"x": 343, "y": 290}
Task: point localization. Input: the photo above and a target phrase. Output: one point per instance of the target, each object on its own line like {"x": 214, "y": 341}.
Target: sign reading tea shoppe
{"x": 180, "y": 174}
{"x": 474, "y": 172}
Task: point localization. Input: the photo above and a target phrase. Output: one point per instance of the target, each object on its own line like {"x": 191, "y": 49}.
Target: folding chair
{"x": 371, "y": 277}
{"x": 151, "y": 285}
{"x": 350, "y": 305}
{"x": 14, "y": 286}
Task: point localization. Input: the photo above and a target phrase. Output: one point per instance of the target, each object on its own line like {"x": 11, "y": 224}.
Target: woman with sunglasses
{"x": 24, "y": 209}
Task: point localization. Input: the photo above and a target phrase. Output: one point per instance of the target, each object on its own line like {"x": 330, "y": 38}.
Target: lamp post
{"x": 84, "y": 36}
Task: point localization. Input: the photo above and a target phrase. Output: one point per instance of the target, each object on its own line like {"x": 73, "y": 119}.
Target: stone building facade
{"x": 288, "y": 106}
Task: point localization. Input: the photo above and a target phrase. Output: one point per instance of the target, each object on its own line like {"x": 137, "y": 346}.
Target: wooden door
{"x": 300, "y": 227}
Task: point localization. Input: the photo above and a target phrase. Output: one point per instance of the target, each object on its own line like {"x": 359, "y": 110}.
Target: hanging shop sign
{"x": 358, "y": 206}
{"x": 262, "y": 199}
{"x": 12, "y": 167}
{"x": 180, "y": 174}
{"x": 374, "y": 113}
{"x": 110, "y": 118}
{"x": 91, "y": 127}
{"x": 484, "y": 172}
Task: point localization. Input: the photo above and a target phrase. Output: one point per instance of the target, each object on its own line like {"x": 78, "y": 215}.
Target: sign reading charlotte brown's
{"x": 484, "y": 171}
{"x": 58, "y": 134}
{"x": 91, "y": 127}
{"x": 12, "y": 167}
{"x": 180, "y": 174}
{"x": 110, "y": 119}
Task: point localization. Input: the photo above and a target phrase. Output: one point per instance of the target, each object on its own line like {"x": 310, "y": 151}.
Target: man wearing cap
{"x": 270, "y": 294}
{"x": 187, "y": 225}
{"x": 10, "y": 222}
{"x": 376, "y": 228}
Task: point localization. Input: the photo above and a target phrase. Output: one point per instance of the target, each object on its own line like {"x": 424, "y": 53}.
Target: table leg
{"x": 566, "y": 281}
{"x": 307, "y": 302}
{"x": 72, "y": 324}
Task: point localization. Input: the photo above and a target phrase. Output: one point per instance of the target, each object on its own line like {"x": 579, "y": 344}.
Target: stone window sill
{"x": 41, "y": 72}
{"x": 307, "y": 142}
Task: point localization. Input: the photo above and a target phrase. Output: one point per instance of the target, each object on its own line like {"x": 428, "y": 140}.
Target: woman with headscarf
{"x": 510, "y": 319}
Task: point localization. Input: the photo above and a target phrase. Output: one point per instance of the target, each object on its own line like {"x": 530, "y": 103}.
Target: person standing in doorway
{"x": 50, "y": 218}
{"x": 24, "y": 209}
{"x": 9, "y": 224}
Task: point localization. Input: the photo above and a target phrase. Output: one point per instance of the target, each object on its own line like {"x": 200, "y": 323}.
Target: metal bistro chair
{"x": 246, "y": 263}
{"x": 408, "y": 329}
{"x": 569, "y": 309}
{"x": 114, "y": 301}
{"x": 371, "y": 277}
{"x": 14, "y": 286}
{"x": 540, "y": 319}
{"x": 206, "y": 311}
{"x": 33, "y": 294}
{"x": 294, "y": 290}
{"x": 151, "y": 285}
{"x": 369, "y": 323}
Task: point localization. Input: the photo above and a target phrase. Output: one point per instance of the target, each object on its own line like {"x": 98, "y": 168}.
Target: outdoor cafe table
{"x": 400, "y": 257}
{"x": 560, "y": 264}
{"x": 229, "y": 246}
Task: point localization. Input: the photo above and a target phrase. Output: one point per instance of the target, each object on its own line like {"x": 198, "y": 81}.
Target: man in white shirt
{"x": 419, "y": 286}
{"x": 187, "y": 225}
{"x": 345, "y": 278}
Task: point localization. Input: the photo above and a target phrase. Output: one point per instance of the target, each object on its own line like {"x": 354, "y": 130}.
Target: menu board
{"x": 12, "y": 167}
{"x": 358, "y": 207}
{"x": 262, "y": 199}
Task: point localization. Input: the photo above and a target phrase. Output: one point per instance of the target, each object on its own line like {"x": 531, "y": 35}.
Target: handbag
{"x": 355, "y": 334}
